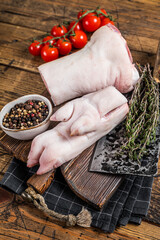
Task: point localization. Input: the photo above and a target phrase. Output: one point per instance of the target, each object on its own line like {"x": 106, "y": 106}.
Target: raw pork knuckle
{"x": 84, "y": 121}
{"x": 104, "y": 61}
{"x": 84, "y": 114}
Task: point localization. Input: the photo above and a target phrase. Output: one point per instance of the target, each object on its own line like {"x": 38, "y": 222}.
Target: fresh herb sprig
{"x": 143, "y": 116}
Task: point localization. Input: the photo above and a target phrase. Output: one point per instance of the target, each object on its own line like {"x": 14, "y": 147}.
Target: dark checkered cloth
{"x": 128, "y": 204}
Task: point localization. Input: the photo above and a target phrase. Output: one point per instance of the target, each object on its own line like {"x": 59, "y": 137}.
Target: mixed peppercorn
{"x": 25, "y": 115}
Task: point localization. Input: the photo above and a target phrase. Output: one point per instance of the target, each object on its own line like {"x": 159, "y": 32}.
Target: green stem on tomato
{"x": 41, "y": 42}
{"x": 86, "y": 13}
{"x": 106, "y": 15}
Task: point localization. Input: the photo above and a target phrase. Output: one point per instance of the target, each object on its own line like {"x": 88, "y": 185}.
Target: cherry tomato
{"x": 79, "y": 40}
{"x": 58, "y": 31}
{"x": 102, "y": 16}
{"x": 77, "y": 27}
{"x": 106, "y": 21}
{"x": 64, "y": 46}
{"x": 91, "y": 22}
{"x": 34, "y": 49}
{"x": 49, "y": 53}
{"x": 48, "y": 38}
{"x": 81, "y": 13}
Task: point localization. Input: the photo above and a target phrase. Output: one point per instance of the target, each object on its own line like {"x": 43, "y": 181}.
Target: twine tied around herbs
{"x": 83, "y": 219}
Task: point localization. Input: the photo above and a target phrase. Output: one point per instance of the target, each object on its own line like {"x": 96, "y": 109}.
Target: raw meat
{"x": 84, "y": 121}
{"x": 86, "y": 112}
{"x": 104, "y": 61}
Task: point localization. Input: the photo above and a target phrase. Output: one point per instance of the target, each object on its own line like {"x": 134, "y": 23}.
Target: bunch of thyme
{"x": 143, "y": 115}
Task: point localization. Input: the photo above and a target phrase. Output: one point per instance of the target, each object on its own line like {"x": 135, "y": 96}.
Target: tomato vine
{"x": 88, "y": 21}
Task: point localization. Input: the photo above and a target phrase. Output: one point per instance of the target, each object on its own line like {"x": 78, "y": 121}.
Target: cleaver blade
{"x": 104, "y": 159}
{"x": 98, "y": 155}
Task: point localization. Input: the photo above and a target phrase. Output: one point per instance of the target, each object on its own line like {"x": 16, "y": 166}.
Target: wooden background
{"x": 21, "y": 20}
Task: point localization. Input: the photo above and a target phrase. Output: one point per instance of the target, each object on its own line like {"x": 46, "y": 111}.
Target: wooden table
{"x": 139, "y": 22}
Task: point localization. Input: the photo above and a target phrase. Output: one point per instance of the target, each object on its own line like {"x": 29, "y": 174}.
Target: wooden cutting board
{"x": 95, "y": 188}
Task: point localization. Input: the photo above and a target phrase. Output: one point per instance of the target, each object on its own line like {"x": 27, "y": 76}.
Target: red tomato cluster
{"x": 92, "y": 21}
{"x": 62, "y": 39}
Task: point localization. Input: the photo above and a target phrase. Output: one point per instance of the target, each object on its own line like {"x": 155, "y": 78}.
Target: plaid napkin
{"x": 129, "y": 203}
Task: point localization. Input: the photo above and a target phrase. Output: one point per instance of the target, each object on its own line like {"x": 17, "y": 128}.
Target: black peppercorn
{"x": 28, "y": 107}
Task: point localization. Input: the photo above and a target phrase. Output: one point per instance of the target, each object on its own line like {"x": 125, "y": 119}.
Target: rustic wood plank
{"x": 143, "y": 14}
{"x": 137, "y": 42}
{"x": 23, "y": 221}
{"x": 156, "y": 72}
{"x": 16, "y": 83}
{"x": 6, "y": 197}
{"x": 5, "y": 160}
{"x": 43, "y": 8}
